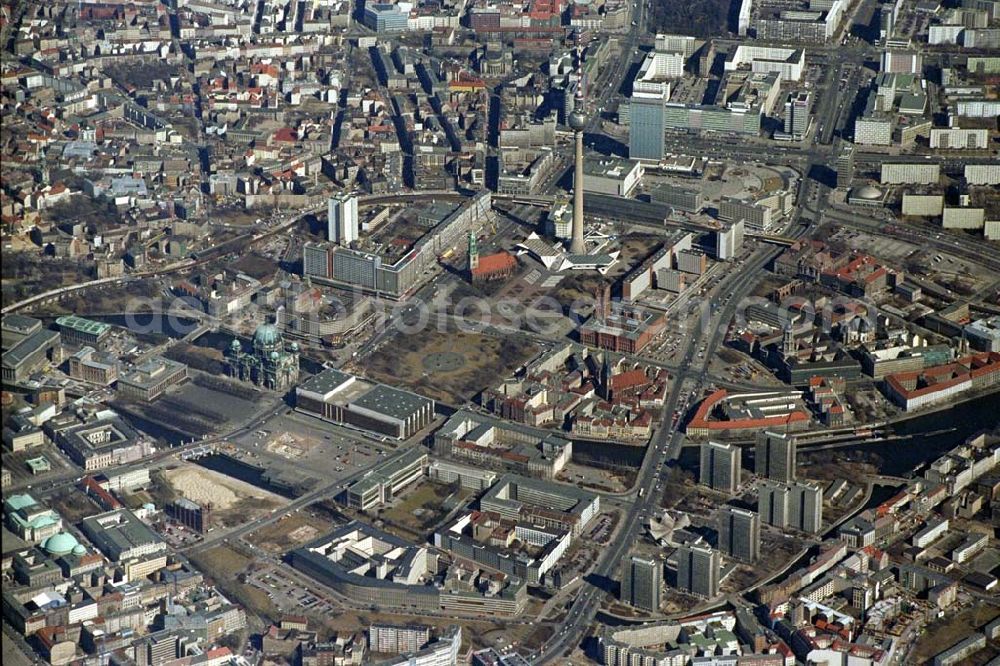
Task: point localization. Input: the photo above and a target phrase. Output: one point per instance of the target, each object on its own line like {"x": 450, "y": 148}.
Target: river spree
{"x": 948, "y": 428}
{"x": 915, "y": 441}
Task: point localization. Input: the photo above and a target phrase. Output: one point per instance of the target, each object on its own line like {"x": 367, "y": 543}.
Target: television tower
{"x": 577, "y": 121}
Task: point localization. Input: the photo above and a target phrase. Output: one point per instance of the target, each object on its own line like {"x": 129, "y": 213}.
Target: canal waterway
{"x": 916, "y": 441}
{"x": 924, "y": 438}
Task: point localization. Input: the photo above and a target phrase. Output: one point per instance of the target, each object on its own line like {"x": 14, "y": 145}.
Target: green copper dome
{"x": 60, "y": 544}
{"x": 266, "y": 335}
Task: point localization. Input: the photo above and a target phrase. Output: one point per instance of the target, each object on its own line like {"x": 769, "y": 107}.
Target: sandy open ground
{"x": 205, "y": 486}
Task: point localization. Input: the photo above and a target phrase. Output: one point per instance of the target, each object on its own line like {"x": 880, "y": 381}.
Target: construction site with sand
{"x": 234, "y": 502}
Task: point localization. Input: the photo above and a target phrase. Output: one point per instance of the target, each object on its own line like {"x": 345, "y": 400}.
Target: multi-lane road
{"x": 61, "y": 481}
{"x": 832, "y": 113}
{"x": 328, "y": 490}
{"x": 665, "y": 447}
{"x": 663, "y": 451}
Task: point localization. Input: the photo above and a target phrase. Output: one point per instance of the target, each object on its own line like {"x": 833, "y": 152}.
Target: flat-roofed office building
{"x": 646, "y": 127}
{"x": 739, "y": 534}
{"x": 386, "y": 480}
{"x": 774, "y": 456}
{"x": 698, "y": 570}
{"x": 720, "y": 466}
{"x": 350, "y": 400}
{"x": 641, "y": 581}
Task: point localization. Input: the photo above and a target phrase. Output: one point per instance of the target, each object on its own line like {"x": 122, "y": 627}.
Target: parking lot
{"x": 289, "y": 594}
{"x": 301, "y": 445}
{"x": 20, "y": 473}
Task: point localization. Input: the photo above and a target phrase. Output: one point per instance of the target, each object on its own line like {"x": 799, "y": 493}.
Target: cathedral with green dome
{"x": 270, "y": 363}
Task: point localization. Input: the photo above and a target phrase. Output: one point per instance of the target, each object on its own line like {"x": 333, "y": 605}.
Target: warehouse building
{"x": 348, "y": 400}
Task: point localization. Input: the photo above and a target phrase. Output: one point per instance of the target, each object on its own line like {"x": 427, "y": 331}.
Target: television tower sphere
{"x": 577, "y": 121}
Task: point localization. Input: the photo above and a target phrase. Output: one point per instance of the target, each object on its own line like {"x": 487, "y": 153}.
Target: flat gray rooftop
{"x": 325, "y": 381}
{"x": 391, "y": 401}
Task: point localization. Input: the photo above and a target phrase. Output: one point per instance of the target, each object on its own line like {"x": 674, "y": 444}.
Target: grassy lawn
{"x": 485, "y": 360}
{"x": 427, "y": 496}
{"x": 224, "y": 565}
{"x": 943, "y": 634}
{"x": 290, "y": 531}
{"x": 424, "y": 496}
{"x": 222, "y": 561}
{"x": 74, "y": 508}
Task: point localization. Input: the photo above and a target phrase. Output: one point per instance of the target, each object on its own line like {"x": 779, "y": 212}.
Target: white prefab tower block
{"x": 342, "y": 219}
